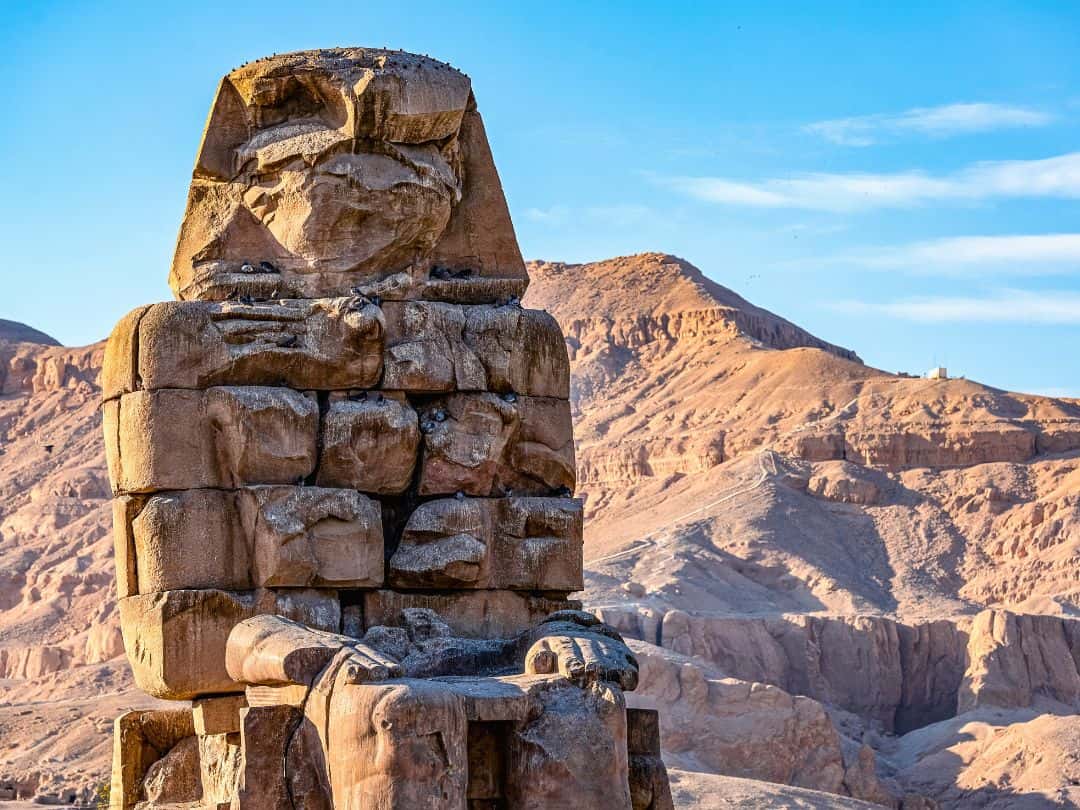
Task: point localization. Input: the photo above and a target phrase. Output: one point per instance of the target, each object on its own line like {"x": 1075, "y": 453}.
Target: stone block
{"x": 522, "y": 350}
{"x": 141, "y": 738}
{"x": 276, "y": 536}
{"x": 436, "y": 347}
{"x": 218, "y": 715}
{"x": 124, "y": 509}
{"x": 469, "y": 614}
{"x": 289, "y": 694}
{"x": 492, "y": 445}
{"x": 426, "y": 351}
{"x": 491, "y": 543}
{"x": 220, "y": 764}
{"x": 175, "y": 780}
{"x": 369, "y": 444}
{"x": 175, "y": 640}
{"x": 649, "y": 786}
{"x": 282, "y": 767}
{"x": 224, "y": 437}
{"x": 120, "y": 365}
{"x": 572, "y": 752}
{"x": 178, "y": 540}
{"x": 320, "y": 344}
{"x": 313, "y": 536}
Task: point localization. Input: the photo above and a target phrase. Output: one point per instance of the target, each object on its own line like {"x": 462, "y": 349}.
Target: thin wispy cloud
{"x": 935, "y": 122}
{"x": 1057, "y": 177}
{"x": 1028, "y": 254}
{"x": 1057, "y": 307}
{"x": 618, "y": 216}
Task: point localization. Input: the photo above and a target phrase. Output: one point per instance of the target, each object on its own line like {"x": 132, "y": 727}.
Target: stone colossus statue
{"x": 343, "y": 463}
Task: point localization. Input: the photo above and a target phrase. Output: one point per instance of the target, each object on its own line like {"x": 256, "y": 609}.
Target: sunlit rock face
{"x": 325, "y": 170}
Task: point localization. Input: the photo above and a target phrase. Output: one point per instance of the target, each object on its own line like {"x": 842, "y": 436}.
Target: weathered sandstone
{"x": 161, "y": 629}
{"x": 325, "y": 344}
{"x": 513, "y": 543}
{"x": 441, "y": 347}
{"x": 223, "y": 437}
{"x": 490, "y": 445}
{"x": 1016, "y": 658}
{"x": 252, "y": 537}
{"x": 897, "y": 676}
{"x": 369, "y": 444}
{"x": 351, "y": 343}
{"x": 141, "y": 739}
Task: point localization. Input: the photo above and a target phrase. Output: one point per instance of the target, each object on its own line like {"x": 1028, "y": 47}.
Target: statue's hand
{"x": 584, "y": 657}
{"x": 366, "y": 664}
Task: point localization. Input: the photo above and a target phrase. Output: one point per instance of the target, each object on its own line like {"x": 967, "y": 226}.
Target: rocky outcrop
{"x": 887, "y": 673}
{"x": 896, "y": 676}
{"x": 33, "y": 662}
{"x": 933, "y": 444}
{"x": 671, "y": 300}
{"x": 630, "y": 460}
{"x": 750, "y": 730}
{"x": 1015, "y": 659}
{"x": 845, "y": 482}
{"x": 900, "y": 677}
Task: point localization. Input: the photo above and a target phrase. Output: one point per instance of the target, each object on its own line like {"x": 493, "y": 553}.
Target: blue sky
{"x": 902, "y": 178}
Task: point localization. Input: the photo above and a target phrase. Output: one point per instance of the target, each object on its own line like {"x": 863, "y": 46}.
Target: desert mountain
{"x": 831, "y": 570}
{"x": 15, "y": 332}
{"x": 762, "y": 503}
{"x": 732, "y": 462}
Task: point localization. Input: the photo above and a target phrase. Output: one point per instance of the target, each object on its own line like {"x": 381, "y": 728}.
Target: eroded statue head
{"x": 323, "y": 171}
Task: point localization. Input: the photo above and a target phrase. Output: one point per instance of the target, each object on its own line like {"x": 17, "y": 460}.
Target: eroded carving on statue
{"x": 343, "y": 466}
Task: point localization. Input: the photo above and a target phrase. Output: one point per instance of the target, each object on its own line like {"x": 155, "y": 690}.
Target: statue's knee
{"x": 408, "y": 737}
{"x": 416, "y": 708}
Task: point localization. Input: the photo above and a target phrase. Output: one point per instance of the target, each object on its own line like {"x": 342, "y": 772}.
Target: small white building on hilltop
{"x": 938, "y": 373}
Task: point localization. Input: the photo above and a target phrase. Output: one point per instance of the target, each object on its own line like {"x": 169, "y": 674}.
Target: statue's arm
{"x": 272, "y": 650}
